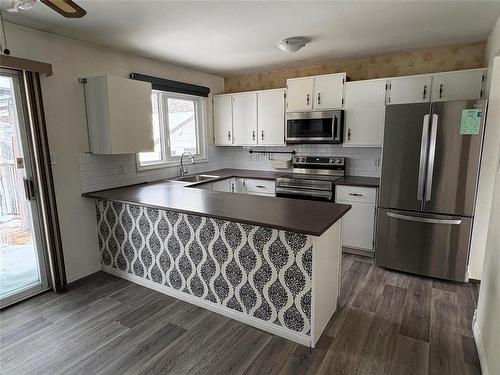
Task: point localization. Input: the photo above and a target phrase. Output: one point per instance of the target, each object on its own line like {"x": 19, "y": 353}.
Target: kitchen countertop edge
{"x": 346, "y": 208}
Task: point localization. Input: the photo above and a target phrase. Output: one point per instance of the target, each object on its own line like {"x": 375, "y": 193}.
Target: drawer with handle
{"x": 355, "y": 194}
{"x": 258, "y": 186}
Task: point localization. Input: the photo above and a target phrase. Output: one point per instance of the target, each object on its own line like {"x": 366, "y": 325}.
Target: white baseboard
{"x": 479, "y": 346}
{"x": 254, "y": 322}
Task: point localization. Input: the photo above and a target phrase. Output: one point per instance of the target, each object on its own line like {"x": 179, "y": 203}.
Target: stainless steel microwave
{"x": 315, "y": 127}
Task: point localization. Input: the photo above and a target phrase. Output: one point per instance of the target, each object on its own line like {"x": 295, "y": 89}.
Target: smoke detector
{"x": 292, "y": 44}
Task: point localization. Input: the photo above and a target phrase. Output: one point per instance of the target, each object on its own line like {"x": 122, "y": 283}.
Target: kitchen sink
{"x": 196, "y": 178}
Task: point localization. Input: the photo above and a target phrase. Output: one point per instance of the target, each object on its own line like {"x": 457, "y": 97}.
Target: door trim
{"x": 39, "y": 241}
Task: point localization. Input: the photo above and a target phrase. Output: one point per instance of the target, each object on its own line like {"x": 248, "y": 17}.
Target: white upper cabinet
{"x": 119, "y": 115}
{"x": 364, "y": 113}
{"x": 245, "y": 119}
{"x": 329, "y": 91}
{"x": 416, "y": 89}
{"x": 458, "y": 85}
{"x": 223, "y": 120}
{"x": 462, "y": 85}
{"x": 299, "y": 94}
{"x": 315, "y": 93}
{"x": 271, "y": 117}
{"x": 250, "y": 118}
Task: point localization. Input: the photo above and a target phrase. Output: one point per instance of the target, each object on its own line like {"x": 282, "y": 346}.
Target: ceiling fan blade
{"x": 66, "y": 8}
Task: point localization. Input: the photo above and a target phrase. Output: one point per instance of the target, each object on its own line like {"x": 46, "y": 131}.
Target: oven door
{"x": 314, "y": 127}
{"x": 316, "y": 195}
{"x": 304, "y": 189}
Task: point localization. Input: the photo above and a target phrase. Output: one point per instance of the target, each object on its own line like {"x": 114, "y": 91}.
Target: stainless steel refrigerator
{"x": 430, "y": 171}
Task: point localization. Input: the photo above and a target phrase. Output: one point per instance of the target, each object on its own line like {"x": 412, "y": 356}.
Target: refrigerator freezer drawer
{"x": 424, "y": 244}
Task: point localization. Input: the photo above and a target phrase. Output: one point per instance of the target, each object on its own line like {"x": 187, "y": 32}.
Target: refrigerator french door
{"x": 430, "y": 170}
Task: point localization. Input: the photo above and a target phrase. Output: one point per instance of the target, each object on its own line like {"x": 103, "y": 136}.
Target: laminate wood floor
{"x": 386, "y": 323}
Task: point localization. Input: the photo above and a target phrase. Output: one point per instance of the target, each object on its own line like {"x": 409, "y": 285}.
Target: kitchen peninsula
{"x": 273, "y": 263}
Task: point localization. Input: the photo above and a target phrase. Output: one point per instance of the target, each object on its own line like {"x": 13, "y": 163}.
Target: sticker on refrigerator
{"x": 470, "y": 122}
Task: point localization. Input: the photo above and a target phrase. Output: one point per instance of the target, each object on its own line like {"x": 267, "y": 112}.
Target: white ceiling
{"x": 236, "y": 37}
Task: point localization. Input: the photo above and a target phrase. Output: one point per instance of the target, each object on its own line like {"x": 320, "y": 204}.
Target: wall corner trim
{"x": 479, "y": 345}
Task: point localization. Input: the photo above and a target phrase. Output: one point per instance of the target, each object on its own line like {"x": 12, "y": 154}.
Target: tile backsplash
{"x": 100, "y": 172}
{"x": 359, "y": 161}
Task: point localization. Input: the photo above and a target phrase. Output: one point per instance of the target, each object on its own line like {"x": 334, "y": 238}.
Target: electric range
{"x": 312, "y": 178}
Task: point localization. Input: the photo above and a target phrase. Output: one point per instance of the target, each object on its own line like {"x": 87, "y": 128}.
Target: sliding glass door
{"x": 23, "y": 269}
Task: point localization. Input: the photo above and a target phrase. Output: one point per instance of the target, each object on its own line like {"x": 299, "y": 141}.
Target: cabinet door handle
{"x": 253, "y": 135}
{"x": 229, "y": 135}
{"x": 356, "y": 194}
{"x": 260, "y": 186}
{"x": 349, "y": 134}
{"x": 308, "y": 99}
{"x": 319, "y": 98}
{"x": 441, "y": 90}
{"x": 262, "y": 134}
{"x": 425, "y": 92}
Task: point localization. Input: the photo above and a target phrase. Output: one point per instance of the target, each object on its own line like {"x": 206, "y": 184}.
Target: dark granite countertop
{"x": 296, "y": 215}
{"x": 359, "y": 181}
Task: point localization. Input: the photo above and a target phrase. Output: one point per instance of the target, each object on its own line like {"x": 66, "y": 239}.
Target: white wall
{"x": 488, "y": 308}
{"x": 488, "y": 162}
{"x": 492, "y": 49}
{"x": 66, "y": 123}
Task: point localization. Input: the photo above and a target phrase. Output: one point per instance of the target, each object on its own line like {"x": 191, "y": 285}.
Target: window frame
{"x": 200, "y": 108}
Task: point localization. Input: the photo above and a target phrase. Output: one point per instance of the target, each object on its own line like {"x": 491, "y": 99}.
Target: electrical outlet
{"x": 121, "y": 168}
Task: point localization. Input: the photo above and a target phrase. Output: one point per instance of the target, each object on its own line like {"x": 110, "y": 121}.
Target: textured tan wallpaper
{"x": 422, "y": 61}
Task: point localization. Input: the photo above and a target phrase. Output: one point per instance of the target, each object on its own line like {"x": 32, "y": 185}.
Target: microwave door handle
{"x": 336, "y": 135}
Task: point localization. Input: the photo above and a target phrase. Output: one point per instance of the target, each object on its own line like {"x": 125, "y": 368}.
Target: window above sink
{"x": 178, "y": 126}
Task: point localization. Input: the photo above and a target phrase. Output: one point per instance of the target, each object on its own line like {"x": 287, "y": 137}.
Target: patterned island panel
{"x": 261, "y": 272}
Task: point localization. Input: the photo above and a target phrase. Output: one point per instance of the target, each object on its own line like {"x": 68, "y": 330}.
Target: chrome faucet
{"x": 183, "y": 169}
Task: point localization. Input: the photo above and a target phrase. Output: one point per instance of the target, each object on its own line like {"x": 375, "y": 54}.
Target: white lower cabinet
{"x": 358, "y": 225}
{"x": 242, "y": 186}
{"x": 221, "y": 185}
{"x": 260, "y": 187}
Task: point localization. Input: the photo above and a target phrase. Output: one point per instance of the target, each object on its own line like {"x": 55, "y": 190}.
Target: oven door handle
{"x": 302, "y": 187}
{"x": 309, "y": 193}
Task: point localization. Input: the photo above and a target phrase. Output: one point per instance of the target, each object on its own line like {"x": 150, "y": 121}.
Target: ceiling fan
{"x": 66, "y": 8}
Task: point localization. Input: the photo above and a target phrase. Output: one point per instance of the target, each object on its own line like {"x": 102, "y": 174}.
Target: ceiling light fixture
{"x": 292, "y": 44}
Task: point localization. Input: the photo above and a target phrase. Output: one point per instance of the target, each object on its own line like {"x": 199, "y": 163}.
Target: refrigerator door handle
{"x": 432, "y": 153}
{"x": 424, "y": 219}
{"x": 423, "y": 156}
